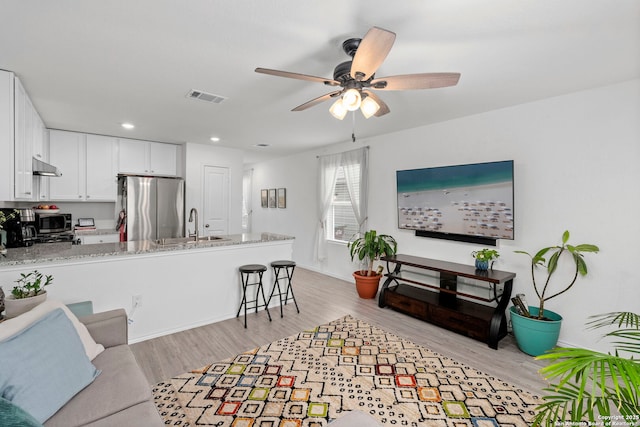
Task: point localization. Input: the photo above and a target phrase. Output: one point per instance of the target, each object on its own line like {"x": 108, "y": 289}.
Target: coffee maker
{"x": 21, "y": 228}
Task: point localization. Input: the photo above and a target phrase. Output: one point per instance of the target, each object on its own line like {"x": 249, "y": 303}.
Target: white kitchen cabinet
{"x": 99, "y": 238}
{"x": 87, "y": 166}
{"x": 163, "y": 158}
{"x": 22, "y": 136}
{"x": 66, "y": 151}
{"x": 147, "y": 157}
{"x": 40, "y": 146}
{"x": 7, "y": 176}
{"x": 25, "y": 132}
{"x": 101, "y": 176}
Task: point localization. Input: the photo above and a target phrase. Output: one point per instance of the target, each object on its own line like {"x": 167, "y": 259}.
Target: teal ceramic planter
{"x": 533, "y": 336}
{"x": 482, "y": 265}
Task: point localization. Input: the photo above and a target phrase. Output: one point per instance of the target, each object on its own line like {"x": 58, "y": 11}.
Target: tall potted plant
{"x": 369, "y": 248}
{"x": 595, "y": 386}
{"x": 537, "y": 329}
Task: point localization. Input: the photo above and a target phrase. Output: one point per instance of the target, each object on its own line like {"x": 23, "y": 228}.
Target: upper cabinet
{"x": 102, "y": 180}
{"x": 87, "y": 163}
{"x": 29, "y": 140}
{"x": 22, "y": 136}
{"x": 148, "y": 158}
{"x": 6, "y": 136}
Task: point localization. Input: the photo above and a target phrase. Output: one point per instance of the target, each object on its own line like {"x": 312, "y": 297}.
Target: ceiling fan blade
{"x": 372, "y": 51}
{"x": 416, "y": 81}
{"x": 278, "y": 73}
{"x": 384, "y": 108}
{"x": 317, "y": 101}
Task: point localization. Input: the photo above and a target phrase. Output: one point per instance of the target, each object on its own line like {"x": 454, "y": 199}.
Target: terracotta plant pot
{"x": 367, "y": 286}
{"x": 15, "y": 307}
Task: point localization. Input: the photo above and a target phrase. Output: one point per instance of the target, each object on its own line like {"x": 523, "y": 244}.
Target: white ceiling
{"x": 90, "y": 65}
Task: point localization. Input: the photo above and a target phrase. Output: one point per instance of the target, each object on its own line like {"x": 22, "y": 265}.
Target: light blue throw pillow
{"x": 44, "y": 366}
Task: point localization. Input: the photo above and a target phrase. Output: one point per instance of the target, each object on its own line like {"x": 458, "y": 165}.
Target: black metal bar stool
{"x": 288, "y": 267}
{"x": 245, "y": 273}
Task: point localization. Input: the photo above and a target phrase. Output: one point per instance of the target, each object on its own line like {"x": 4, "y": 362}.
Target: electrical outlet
{"x": 137, "y": 300}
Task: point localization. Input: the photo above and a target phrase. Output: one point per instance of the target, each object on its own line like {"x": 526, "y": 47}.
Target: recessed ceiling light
{"x": 215, "y": 139}
{"x": 262, "y": 145}
{"x": 127, "y": 125}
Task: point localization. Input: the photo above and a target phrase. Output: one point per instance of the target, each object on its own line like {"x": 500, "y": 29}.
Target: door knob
{"x": 206, "y": 226}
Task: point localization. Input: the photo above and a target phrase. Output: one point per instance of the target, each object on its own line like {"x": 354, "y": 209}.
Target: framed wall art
{"x": 264, "y": 198}
{"x": 272, "y": 198}
{"x": 282, "y": 198}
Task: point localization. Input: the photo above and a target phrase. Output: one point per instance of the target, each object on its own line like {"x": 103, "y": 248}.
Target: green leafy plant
{"x": 4, "y": 218}
{"x": 31, "y": 284}
{"x": 371, "y": 247}
{"x": 485, "y": 254}
{"x": 556, "y": 252}
{"x": 601, "y": 388}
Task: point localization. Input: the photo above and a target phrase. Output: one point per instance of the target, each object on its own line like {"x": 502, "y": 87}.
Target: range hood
{"x": 41, "y": 168}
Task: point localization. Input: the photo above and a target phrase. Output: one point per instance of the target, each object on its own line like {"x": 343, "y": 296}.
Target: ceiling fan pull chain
{"x": 353, "y": 129}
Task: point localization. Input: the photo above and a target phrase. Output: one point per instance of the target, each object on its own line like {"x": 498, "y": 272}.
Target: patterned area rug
{"x": 309, "y": 379}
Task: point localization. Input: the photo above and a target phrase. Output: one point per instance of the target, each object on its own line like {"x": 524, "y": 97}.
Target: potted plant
{"x": 536, "y": 329}
{"x": 602, "y": 388}
{"x": 28, "y": 293}
{"x": 369, "y": 248}
{"x": 4, "y": 218}
{"x": 484, "y": 257}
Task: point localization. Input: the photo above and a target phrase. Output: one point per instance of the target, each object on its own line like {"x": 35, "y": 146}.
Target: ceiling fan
{"x": 357, "y": 81}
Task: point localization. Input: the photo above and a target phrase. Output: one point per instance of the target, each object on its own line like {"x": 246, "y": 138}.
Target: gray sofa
{"x": 355, "y": 419}
{"x": 120, "y": 395}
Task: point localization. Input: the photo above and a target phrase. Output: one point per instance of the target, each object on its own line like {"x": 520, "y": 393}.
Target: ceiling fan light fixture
{"x": 369, "y": 107}
{"x": 338, "y": 109}
{"x": 351, "y": 99}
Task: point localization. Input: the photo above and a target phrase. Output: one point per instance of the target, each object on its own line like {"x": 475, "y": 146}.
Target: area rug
{"x": 310, "y": 379}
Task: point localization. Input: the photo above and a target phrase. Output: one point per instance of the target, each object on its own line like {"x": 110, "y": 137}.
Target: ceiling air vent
{"x": 205, "y": 96}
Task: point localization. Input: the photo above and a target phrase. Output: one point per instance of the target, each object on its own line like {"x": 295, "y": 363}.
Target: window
{"x": 342, "y": 197}
{"x": 247, "y": 181}
{"x": 341, "y": 221}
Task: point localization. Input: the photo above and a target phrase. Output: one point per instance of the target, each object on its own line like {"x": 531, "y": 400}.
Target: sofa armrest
{"x": 355, "y": 419}
{"x": 108, "y": 328}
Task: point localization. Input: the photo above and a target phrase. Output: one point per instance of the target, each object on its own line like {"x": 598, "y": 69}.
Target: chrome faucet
{"x": 191, "y": 220}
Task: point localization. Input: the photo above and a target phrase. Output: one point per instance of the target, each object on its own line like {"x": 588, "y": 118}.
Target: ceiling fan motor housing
{"x": 342, "y": 72}
{"x": 350, "y": 46}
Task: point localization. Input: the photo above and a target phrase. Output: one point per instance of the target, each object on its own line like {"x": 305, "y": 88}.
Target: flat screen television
{"x": 472, "y": 202}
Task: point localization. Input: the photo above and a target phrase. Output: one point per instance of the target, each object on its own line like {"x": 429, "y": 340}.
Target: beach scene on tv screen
{"x": 475, "y": 199}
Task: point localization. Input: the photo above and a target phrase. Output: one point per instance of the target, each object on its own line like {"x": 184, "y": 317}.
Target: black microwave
{"x": 53, "y": 223}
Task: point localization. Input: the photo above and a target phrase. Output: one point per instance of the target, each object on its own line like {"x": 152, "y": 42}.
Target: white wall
{"x": 576, "y": 165}
{"x": 197, "y": 156}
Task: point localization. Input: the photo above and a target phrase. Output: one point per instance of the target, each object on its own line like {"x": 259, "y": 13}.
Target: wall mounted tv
{"x": 470, "y": 203}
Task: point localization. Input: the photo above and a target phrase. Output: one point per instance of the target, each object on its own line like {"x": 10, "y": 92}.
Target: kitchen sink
{"x": 177, "y": 241}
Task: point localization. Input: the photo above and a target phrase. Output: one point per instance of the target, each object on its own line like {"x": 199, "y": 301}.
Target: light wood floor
{"x": 322, "y": 299}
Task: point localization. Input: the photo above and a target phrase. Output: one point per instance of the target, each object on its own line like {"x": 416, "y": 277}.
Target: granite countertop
{"x": 65, "y": 251}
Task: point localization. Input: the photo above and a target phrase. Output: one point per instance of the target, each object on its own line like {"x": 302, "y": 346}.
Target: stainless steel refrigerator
{"x": 151, "y": 207}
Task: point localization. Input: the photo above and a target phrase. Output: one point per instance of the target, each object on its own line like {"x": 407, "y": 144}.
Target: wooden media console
{"x": 454, "y": 296}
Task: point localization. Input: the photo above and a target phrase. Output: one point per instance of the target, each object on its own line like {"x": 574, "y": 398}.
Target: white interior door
{"x": 216, "y": 200}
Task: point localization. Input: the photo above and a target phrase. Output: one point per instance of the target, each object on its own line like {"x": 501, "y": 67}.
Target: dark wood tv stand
{"x": 444, "y": 300}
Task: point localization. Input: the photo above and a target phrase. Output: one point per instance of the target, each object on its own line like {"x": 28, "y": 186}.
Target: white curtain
{"x": 247, "y": 204}
{"x": 327, "y": 173}
{"x": 354, "y": 163}
{"x": 356, "y": 170}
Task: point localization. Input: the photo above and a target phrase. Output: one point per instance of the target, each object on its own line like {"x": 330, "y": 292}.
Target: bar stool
{"x": 245, "y": 274}
{"x": 288, "y": 267}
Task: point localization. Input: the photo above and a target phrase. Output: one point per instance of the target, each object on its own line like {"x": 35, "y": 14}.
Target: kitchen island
{"x": 181, "y": 285}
